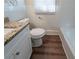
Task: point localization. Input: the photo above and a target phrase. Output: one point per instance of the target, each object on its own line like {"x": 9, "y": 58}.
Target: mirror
{"x": 15, "y": 9}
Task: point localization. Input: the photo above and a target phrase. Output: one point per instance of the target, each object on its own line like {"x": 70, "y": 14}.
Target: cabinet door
{"x": 19, "y": 50}
{"x": 9, "y": 56}
{"x": 21, "y": 47}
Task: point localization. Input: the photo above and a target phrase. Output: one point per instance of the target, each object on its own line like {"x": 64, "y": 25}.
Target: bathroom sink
{"x": 16, "y": 24}
{"x": 12, "y": 26}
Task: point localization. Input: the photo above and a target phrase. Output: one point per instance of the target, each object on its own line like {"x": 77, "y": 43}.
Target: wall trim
{"x": 66, "y": 46}
{"x": 51, "y": 32}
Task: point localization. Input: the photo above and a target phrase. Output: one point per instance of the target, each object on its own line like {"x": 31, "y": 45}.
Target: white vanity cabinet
{"x": 20, "y": 46}
{"x": 18, "y": 51}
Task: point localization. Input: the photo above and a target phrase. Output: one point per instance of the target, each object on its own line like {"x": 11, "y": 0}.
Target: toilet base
{"x": 36, "y": 42}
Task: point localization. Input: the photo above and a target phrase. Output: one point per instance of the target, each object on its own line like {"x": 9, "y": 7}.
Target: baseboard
{"x": 66, "y": 46}
{"x": 51, "y": 32}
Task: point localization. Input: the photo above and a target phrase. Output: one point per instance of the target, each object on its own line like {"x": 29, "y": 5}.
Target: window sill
{"x": 42, "y": 13}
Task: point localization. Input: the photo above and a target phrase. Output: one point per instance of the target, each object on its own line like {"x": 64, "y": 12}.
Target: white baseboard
{"x": 66, "y": 46}
{"x": 51, "y": 32}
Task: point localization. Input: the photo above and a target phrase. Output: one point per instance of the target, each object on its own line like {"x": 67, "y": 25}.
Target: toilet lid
{"x": 37, "y": 31}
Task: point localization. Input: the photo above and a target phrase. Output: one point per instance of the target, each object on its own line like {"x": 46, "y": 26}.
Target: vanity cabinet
{"x": 20, "y": 46}
{"x": 18, "y": 51}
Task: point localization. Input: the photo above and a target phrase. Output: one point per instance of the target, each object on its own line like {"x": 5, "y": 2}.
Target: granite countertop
{"x": 11, "y": 29}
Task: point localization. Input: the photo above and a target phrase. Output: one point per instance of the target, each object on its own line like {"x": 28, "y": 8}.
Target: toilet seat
{"x": 37, "y": 32}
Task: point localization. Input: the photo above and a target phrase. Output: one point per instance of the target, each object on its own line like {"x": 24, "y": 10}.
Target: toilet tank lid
{"x": 37, "y": 31}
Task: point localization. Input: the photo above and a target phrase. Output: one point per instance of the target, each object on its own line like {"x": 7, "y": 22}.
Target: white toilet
{"x": 36, "y": 35}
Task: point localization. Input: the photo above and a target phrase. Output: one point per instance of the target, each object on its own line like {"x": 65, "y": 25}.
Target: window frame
{"x": 45, "y": 13}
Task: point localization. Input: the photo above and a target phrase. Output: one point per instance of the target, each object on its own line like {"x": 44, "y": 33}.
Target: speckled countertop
{"x": 12, "y": 32}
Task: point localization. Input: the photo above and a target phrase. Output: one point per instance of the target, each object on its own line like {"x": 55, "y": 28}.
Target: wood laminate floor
{"x": 51, "y": 49}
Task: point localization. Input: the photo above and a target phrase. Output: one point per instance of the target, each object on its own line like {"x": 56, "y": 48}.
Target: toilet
{"x": 36, "y": 36}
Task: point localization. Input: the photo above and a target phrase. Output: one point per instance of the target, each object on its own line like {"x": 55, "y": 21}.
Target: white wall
{"x": 48, "y": 22}
{"x": 66, "y": 16}
{"x": 17, "y": 12}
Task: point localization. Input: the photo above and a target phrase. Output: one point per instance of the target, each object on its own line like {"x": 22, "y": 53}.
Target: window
{"x": 44, "y": 6}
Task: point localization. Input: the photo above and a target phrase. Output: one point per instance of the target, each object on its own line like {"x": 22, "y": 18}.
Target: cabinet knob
{"x": 17, "y": 53}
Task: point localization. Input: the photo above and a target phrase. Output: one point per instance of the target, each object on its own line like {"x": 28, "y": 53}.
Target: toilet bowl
{"x": 36, "y": 35}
